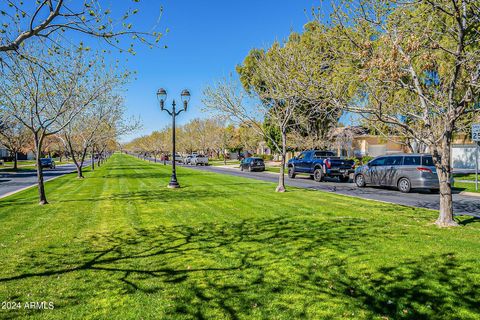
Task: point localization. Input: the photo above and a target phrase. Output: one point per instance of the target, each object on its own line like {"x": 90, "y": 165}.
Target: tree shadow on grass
{"x": 163, "y": 195}
{"x": 285, "y": 268}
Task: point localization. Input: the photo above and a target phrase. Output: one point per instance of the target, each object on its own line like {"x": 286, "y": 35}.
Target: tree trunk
{"x": 15, "y": 164}
{"x": 281, "y": 177}
{"x": 93, "y": 159}
{"x": 444, "y": 172}
{"x": 80, "y": 164}
{"x": 41, "y": 187}
{"x": 77, "y": 165}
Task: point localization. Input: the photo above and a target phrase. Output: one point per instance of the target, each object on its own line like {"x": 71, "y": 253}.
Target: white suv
{"x": 199, "y": 159}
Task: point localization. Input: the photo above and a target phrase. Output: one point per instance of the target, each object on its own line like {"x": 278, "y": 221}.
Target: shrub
{"x": 265, "y": 157}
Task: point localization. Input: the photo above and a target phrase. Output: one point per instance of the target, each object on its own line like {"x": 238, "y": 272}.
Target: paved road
{"x": 463, "y": 205}
{"x": 14, "y": 181}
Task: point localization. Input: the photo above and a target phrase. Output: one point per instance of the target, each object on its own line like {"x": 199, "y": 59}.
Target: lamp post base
{"x": 173, "y": 185}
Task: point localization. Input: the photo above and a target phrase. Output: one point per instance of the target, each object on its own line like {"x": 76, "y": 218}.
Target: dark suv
{"x": 47, "y": 163}
{"x": 252, "y": 164}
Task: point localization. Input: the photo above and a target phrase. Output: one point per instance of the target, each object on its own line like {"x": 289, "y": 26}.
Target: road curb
{"x": 35, "y": 184}
{"x": 31, "y": 186}
{"x": 472, "y": 194}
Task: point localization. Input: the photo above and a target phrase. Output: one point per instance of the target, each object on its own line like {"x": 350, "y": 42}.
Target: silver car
{"x": 404, "y": 171}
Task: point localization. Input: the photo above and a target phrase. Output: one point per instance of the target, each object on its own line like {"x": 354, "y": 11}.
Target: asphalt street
{"x": 463, "y": 204}
{"x": 11, "y": 182}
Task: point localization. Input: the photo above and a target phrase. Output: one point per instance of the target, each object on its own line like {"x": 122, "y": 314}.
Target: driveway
{"x": 11, "y": 182}
{"x": 463, "y": 204}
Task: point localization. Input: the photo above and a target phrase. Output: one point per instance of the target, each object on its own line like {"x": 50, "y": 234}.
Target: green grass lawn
{"x": 20, "y": 163}
{"x": 273, "y": 169}
{"x": 465, "y": 186}
{"x": 120, "y": 245}
{"x": 222, "y": 163}
{"x": 27, "y": 165}
{"x": 470, "y": 176}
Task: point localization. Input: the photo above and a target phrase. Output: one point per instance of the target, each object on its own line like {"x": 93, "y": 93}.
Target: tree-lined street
{"x": 227, "y": 247}
{"x": 11, "y": 182}
{"x": 250, "y": 159}
{"x": 463, "y": 204}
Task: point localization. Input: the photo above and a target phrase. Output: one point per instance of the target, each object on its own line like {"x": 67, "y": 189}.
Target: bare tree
{"x": 82, "y": 132}
{"x": 50, "y": 19}
{"x": 44, "y": 99}
{"x": 14, "y": 136}
{"x": 227, "y": 99}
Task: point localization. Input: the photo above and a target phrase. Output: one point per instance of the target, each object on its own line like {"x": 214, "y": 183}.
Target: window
{"x": 301, "y": 156}
{"x": 323, "y": 154}
{"x": 411, "y": 161}
{"x": 378, "y": 162}
{"x": 393, "y": 161}
{"x": 427, "y": 161}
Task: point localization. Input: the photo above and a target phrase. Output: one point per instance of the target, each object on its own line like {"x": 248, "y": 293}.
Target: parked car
{"x": 187, "y": 159}
{"x": 252, "y": 164}
{"x": 47, "y": 163}
{"x": 404, "y": 171}
{"x": 320, "y": 164}
{"x": 199, "y": 159}
{"x": 178, "y": 158}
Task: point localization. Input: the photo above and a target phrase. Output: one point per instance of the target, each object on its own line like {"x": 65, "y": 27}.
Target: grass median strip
{"x": 120, "y": 245}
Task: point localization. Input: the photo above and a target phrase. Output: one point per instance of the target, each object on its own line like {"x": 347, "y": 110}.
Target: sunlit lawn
{"x": 27, "y": 165}
{"x": 120, "y": 245}
{"x": 222, "y": 163}
{"x": 470, "y": 176}
{"x": 465, "y": 186}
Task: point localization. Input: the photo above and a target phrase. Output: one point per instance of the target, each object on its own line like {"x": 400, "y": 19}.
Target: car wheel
{"x": 404, "y": 185}
{"x": 360, "y": 181}
{"x": 291, "y": 172}
{"x": 318, "y": 175}
{"x": 344, "y": 179}
{"x": 241, "y": 168}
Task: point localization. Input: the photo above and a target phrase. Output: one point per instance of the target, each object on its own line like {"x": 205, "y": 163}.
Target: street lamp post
{"x": 162, "y": 96}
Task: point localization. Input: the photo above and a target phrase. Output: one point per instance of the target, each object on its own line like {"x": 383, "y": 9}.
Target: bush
{"x": 361, "y": 161}
{"x": 265, "y": 157}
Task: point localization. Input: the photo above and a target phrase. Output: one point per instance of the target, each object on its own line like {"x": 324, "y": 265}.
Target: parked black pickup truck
{"x": 321, "y": 164}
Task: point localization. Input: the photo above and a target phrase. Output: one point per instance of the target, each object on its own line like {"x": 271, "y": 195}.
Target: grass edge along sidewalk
{"x": 119, "y": 244}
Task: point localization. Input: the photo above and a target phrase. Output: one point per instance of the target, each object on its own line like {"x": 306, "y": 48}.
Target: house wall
{"x": 374, "y": 146}
{"x": 3, "y": 153}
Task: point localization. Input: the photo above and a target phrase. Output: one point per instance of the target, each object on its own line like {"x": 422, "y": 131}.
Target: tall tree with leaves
{"x": 414, "y": 65}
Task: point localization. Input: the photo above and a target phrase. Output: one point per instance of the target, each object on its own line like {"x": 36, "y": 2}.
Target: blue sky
{"x": 206, "y": 40}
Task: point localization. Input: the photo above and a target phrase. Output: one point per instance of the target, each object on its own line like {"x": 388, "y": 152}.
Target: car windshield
{"x": 45, "y": 160}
